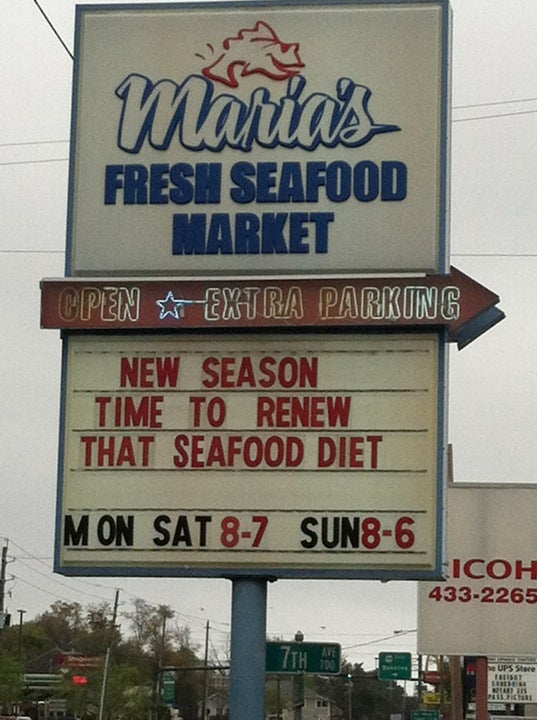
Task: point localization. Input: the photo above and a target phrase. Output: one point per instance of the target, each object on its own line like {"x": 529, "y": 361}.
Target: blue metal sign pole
{"x": 248, "y": 637}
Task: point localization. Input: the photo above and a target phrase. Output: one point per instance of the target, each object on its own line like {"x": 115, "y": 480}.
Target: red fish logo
{"x": 255, "y": 50}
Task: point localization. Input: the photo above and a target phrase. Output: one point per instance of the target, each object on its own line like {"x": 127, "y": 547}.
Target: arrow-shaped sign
{"x": 478, "y": 310}
{"x": 455, "y": 301}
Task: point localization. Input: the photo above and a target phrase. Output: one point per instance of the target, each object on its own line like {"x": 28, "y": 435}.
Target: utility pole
{"x": 21, "y": 615}
{"x": 298, "y": 685}
{"x": 107, "y": 658}
{"x": 3, "y": 565}
{"x": 160, "y": 663}
{"x": 205, "y": 663}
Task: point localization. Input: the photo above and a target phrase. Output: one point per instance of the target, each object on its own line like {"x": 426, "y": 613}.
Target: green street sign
{"x": 168, "y": 687}
{"x": 425, "y": 715}
{"x": 303, "y": 657}
{"x": 395, "y": 666}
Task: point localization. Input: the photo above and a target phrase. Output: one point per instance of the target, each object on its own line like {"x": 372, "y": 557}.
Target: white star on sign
{"x": 170, "y": 306}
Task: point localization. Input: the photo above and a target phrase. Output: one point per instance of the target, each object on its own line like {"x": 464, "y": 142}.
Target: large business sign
{"x": 294, "y": 456}
{"x": 259, "y": 138}
{"x": 487, "y": 604}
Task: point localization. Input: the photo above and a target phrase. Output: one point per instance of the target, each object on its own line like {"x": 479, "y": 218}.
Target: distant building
{"x": 47, "y": 662}
{"x": 316, "y": 707}
{"x": 217, "y": 706}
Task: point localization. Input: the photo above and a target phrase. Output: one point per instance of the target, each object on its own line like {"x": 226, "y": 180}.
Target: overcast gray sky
{"x": 492, "y": 394}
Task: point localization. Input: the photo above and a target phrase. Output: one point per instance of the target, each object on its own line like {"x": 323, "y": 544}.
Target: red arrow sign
{"x": 455, "y": 301}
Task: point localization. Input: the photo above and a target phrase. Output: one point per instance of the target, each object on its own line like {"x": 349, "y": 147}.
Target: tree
{"x": 128, "y": 694}
{"x": 152, "y": 640}
{"x": 62, "y": 624}
{"x": 139, "y": 620}
{"x": 189, "y": 682}
{"x": 98, "y": 630}
{"x": 30, "y": 637}
{"x": 11, "y": 680}
{"x": 147, "y": 624}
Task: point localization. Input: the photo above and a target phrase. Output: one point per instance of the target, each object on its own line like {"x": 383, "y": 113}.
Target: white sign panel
{"x": 512, "y": 680}
{"x": 259, "y": 138}
{"x": 289, "y": 455}
{"x": 487, "y": 604}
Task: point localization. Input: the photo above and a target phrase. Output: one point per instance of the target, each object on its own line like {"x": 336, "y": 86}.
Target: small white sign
{"x": 195, "y": 455}
{"x": 512, "y": 680}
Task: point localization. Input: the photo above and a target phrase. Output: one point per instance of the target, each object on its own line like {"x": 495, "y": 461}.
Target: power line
{"x": 48, "y": 567}
{"x": 55, "y": 580}
{"x": 32, "y": 252}
{"x": 495, "y": 102}
{"x": 495, "y": 255}
{"x": 33, "y": 142}
{"x": 42, "y": 589}
{"x": 496, "y": 115}
{"x": 381, "y": 639}
{"x": 49, "y": 22}
{"x": 32, "y": 162}
{"x": 50, "y": 575}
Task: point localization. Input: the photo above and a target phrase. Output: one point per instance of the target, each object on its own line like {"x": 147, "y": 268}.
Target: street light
{"x": 21, "y": 615}
{"x": 349, "y": 695}
{"x": 298, "y": 685}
